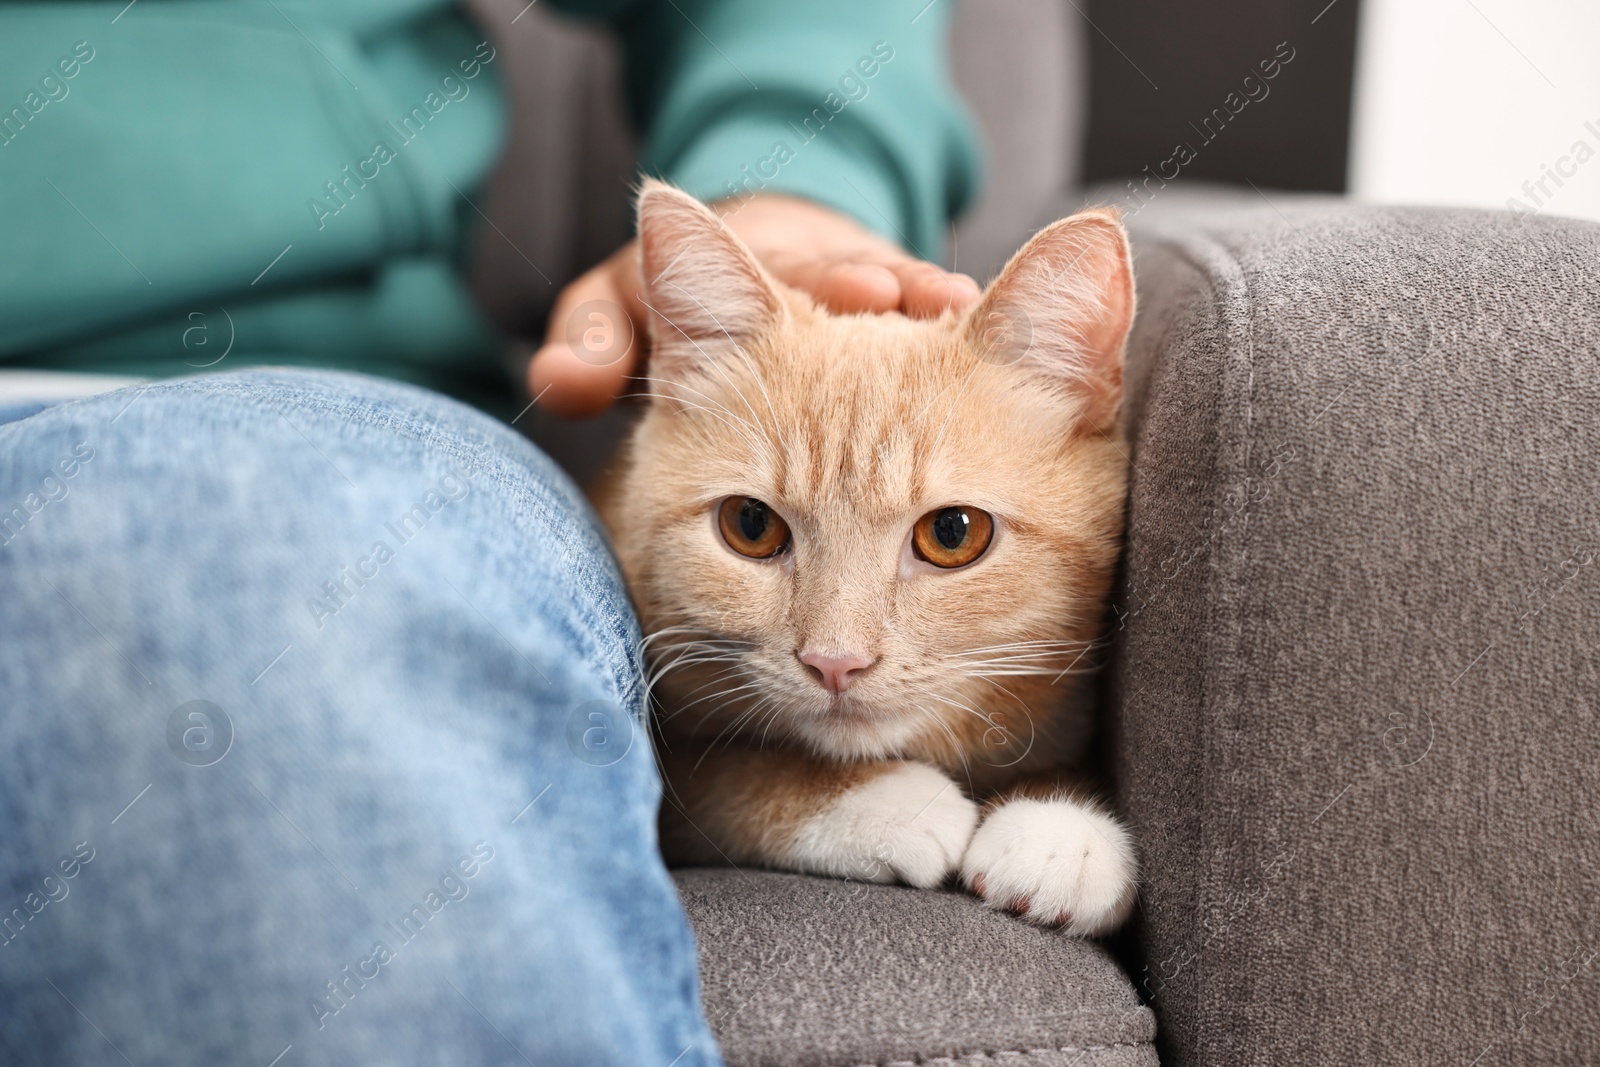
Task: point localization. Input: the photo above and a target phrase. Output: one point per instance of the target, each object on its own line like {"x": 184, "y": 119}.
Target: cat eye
{"x": 952, "y": 537}
{"x": 751, "y": 528}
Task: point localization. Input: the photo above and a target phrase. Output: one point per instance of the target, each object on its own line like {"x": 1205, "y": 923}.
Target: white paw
{"x": 1056, "y": 863}
{"x": 911, "y": 823}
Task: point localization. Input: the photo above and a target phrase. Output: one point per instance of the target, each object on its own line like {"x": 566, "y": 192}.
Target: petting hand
{"x": 587, "y": 358}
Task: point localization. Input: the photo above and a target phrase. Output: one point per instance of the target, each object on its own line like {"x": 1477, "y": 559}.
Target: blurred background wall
{"x": 1158, "y": 67}
{"x": 1482, "y": 103}
{"x": 1486, "y": 103}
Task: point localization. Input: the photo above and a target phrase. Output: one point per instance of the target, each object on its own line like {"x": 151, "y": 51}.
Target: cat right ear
{"x": 1061, "y": 311}
{"x": 705, "y": 290}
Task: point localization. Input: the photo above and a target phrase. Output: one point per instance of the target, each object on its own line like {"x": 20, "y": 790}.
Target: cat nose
{"x": 836, "y": 673}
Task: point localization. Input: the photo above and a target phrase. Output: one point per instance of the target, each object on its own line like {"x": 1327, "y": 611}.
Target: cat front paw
{"x": 910, "y": 824}
{"x": 1055, "y": 863}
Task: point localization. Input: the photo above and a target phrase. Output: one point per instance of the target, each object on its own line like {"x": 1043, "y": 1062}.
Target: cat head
{"x": 866, "y": 534}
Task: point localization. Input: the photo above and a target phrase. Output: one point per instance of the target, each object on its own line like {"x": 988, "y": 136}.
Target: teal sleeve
{"x": 160, "y": 159}
{"x": 846, "y": 102}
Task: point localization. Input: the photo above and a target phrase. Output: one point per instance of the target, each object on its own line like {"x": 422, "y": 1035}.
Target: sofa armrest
{"x": 1355, "y": 696}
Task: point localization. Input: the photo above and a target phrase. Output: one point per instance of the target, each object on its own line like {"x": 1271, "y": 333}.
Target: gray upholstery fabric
{"x": 1357, "y": 679}
{"x": 807, "y": 972}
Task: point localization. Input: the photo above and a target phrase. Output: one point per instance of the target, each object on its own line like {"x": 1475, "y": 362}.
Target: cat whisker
{"x": 716, "y": 411}
{"x": 693, "y": 657}
{"x": 1026, "y": 672}
{"x": 772, "y": 717}
{"x": 764, "y": 711}
{"x": 1033, "y": 650}
{"x": 760, "y": 442}
{"x": 722, "y": 694}
{"x": 1017, "y": 646}
{"x": 744, "y": 359}
{"x": 686, "y": 647}
{"x": 767, "y": 437}
{"x": 730, "y": 666}
{"x": 969, "y": 709}
{"x": 717, "y": 679}
{"x": 715, "y": 404}
{"x": 1028, "y": 661}
{"x": 1020, "y": 658}
{"x": 995, "y": 726}
{"x": 670, "y": 631}
{"x": 690, "y": 659}
{"x": 957, "y": 749}
{"x": 683, "y": 648}
{"x": 730, "y": 731}
{"x": 1071, "y": 666}
{"x": 708, "y": 639}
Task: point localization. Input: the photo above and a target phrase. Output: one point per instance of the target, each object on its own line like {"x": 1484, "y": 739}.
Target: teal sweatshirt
{"x": 196, "y": 184}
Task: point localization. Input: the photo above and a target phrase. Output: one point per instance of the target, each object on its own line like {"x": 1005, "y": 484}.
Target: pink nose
{"x": 836, "y": 673}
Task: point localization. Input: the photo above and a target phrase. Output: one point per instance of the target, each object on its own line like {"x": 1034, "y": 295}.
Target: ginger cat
{"x": 872, "y": 557}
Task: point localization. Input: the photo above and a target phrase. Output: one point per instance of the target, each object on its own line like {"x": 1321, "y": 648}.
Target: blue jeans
{"x": 321, "y": 743}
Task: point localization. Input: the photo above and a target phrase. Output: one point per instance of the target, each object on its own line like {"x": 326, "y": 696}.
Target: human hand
{"x": 587, "y": 359}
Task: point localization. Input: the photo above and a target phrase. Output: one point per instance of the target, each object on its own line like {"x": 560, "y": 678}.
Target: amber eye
{"x": 751, "y": 528}
{"x": 952, "y": 537}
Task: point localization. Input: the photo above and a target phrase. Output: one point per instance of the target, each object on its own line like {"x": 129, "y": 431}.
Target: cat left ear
{"x": 1061, "y": 310}
{"x": 704, "y": 287}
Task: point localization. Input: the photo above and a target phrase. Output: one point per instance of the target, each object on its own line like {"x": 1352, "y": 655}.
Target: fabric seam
{"x": 1223, "y": 277}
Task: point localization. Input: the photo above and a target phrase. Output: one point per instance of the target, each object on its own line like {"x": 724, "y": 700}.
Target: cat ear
{"x": 1061, "y": 310}
{"x": 704, "y": 288}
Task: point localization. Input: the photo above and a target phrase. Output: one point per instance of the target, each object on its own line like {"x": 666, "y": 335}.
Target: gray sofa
{"x": 1353, "y": 711}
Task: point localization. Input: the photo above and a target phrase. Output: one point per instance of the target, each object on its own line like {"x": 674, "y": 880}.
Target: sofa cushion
{"x": 805, "y": 972}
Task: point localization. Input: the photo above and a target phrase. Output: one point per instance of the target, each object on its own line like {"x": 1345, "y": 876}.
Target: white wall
{"x": 1474, "y": 102}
